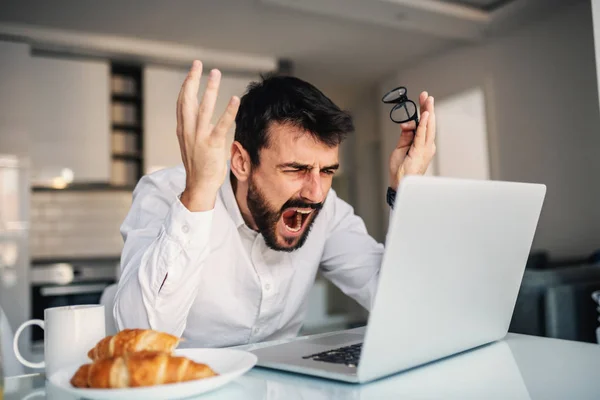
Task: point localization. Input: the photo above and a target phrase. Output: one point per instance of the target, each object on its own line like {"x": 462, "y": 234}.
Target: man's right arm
{"x": 166, "y": 246}
{"x": 166, "y": 232}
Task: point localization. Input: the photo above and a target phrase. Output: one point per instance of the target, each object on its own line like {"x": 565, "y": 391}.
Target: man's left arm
{"x": 352, "y": 258}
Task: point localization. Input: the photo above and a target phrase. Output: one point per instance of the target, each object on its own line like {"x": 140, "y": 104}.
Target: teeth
{"x": 304, "y": 211}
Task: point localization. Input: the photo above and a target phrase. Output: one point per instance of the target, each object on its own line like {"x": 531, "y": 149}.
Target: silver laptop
{"x": 455, "y": 256}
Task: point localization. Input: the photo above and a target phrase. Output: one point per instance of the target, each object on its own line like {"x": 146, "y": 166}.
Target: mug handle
{"x": 23, "y": 361}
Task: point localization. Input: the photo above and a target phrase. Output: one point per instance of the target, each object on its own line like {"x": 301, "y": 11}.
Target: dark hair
{"x": 286, "y": 99}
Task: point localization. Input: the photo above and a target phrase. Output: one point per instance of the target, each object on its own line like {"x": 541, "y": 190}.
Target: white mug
{"x": 69, "y": 333}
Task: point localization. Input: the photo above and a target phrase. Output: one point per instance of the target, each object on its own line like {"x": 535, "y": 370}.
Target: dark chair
{"x": 571, "y": 312}
{"x": 556, "y": 302}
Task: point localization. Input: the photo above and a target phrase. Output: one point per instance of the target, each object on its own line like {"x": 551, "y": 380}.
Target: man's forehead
{"x": 284, "y": 132}
{"x": 288, "y": 143}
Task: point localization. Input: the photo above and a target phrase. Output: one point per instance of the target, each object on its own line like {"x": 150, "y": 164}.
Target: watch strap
{"x": 390, "y": 196}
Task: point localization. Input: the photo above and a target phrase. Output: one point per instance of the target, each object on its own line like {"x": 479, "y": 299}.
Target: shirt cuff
{"x": 189, "y": 229}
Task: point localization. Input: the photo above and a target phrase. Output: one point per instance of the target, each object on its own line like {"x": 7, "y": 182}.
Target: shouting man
{"x": 226, "y": 253}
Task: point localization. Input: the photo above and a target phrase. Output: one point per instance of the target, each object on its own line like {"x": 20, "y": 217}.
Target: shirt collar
{"x": 229, "y": 200}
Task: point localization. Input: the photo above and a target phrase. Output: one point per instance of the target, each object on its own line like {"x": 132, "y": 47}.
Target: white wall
{"x": 366, "y": 180}
{"x": 542, "y": 117}
{"x": 461, "y": 124}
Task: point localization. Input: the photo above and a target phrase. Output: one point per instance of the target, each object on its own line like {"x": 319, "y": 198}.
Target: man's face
{"x": 288, "y": 188}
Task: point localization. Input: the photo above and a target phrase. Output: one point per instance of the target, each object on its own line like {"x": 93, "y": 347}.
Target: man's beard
{"x": 266, "y": 218}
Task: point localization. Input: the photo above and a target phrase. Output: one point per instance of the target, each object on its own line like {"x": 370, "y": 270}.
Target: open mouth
{"x": 294, "y": 219}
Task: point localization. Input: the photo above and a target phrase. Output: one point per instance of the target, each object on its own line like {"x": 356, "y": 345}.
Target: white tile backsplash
{"x": 77, "y": 223}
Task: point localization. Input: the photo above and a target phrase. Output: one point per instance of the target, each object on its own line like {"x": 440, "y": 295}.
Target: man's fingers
{"x": 227, "y": 119}
{"x": 207, "y": 106}
{"x": 187, "y": 107}
{"x": 431, "y": 128}
{"x": 188, "y": 98}
{"x": 408, "y": 126}
{"x": 423, "y": 102}
{"x": 182, "y": 147}
{"x": 178, "y": 111}
{"x": 422, "y": 130}
{"x": 406, "y": 139}
{"x": 192, "y": 83}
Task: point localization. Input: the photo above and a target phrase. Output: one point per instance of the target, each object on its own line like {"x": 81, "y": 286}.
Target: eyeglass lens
{"x": 395, "y": 94}
{"x": 403, "y": 112}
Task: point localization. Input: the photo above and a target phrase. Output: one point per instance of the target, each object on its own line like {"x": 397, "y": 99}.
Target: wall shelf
{"x": 127, "y": 162}
{"x": 126, "y": 127}
{"x": 125, "y": 98}
{"x": 126, "y": 157}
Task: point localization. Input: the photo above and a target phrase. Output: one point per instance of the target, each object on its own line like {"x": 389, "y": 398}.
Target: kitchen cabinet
{"x": 161, "y": 90}
{"x": 14, "y": 98}
{"x": 70, "y": 120}
{"x": 14, "y": 184}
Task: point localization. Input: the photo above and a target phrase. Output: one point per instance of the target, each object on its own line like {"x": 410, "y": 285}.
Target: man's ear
{"x": 240, "y": 162}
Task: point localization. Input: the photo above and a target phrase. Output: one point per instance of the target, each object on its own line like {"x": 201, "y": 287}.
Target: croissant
{"x": 133, "y": 340}
{"x": 145, "y": 368}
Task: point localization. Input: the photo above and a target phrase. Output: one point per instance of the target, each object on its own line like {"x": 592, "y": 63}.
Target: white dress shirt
{"x": 224, "y": 286}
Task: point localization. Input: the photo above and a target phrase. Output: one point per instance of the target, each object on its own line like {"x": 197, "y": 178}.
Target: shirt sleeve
{"x": 165, "y": 249}
{"x": 351, "y": 257}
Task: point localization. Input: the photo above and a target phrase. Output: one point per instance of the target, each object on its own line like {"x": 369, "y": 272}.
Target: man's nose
{"x": 312, "y": 190}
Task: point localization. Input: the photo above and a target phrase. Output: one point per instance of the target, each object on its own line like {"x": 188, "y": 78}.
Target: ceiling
{"x": 333, "y": 43}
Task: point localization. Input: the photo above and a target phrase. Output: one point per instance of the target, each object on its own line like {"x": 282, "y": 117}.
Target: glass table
{"x": 518, "y": 367}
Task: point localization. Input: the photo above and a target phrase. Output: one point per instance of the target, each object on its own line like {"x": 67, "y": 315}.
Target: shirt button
{"x": 254, "y": 330}
{"x": 267, "y": 287}
{"x": 185, "y": 229}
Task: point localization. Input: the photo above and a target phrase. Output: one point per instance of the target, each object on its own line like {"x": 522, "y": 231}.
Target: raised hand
{"x": 202, "y": 145}
{"x": 414, "y": 152}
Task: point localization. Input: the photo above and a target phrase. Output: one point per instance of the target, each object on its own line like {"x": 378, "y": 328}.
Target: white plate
{"x": 228, "y": 363}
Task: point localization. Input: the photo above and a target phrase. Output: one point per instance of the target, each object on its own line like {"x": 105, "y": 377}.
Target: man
{"x": 227, "y": 255}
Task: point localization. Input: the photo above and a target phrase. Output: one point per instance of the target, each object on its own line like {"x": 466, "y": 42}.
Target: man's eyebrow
{"x": 331, "y": 167}
{"x": 296, "y": 165}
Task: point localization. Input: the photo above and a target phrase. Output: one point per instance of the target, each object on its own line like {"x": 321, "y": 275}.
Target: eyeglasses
{"x": 405, "y": 110}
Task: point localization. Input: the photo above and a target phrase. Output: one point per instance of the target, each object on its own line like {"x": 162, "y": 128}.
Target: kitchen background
{"x": 87, "y": 106}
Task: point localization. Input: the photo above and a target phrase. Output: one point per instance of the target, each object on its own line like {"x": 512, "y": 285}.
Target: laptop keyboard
{"x": 348, "y": 355}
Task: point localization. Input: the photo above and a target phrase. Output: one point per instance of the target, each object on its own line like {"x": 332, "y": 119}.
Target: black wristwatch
{"x": 390, "y": 196}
